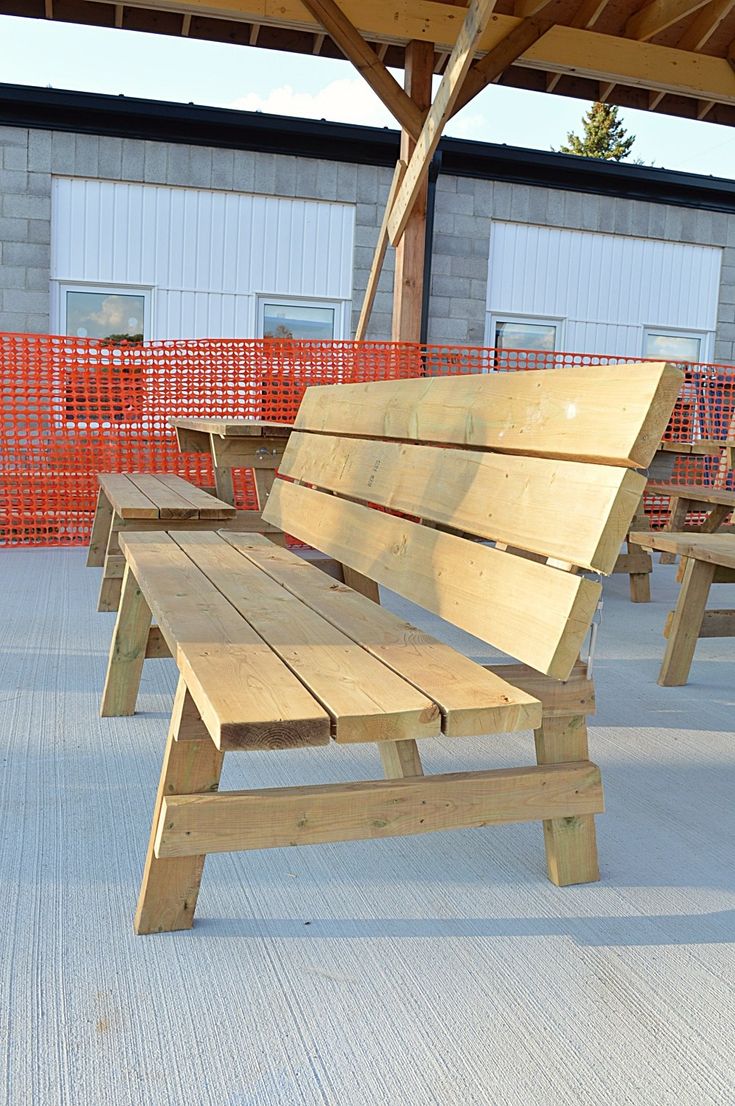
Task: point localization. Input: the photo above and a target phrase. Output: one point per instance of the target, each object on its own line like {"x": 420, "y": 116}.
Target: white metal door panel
{"x": 207, "y": 255}
{"x": 606, "y": 287}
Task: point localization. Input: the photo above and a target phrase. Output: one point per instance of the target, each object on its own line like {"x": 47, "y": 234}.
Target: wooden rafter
{"x": 366, "y": 61}
{"x": 476, "y": 19}
{"x": 185, "y": 24}
{"x": 588, "y": 13}
{"x": 658, "y": 15}
{"x": 704, "y": 26}
{"x": 379, "y": 255}
{"x": 497, "y": 60}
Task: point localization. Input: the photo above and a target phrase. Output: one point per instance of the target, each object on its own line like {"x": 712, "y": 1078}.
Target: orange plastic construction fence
{"x": 72, "y": 407}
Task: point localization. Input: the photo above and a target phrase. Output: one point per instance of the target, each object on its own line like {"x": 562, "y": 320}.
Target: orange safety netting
{"x": 72, "y": 407}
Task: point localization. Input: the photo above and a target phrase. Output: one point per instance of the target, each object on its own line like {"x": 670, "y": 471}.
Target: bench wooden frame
{"x": 706, "y": 559}
{"x": 271, "y": 653}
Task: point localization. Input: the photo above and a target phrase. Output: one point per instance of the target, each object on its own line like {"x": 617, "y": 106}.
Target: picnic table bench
{"x": 409, "y": 483}
{"x": 706, "y": 559}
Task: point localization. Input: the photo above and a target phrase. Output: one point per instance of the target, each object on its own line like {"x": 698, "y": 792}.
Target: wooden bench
{"x": 706, "y": 559}
{"x": 273, "y": 654}
{"x": 137, "y": 501}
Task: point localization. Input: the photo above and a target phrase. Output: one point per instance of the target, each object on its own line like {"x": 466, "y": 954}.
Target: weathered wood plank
{"x": 571, "y": 842}
{"x": 614, "y": 414}
{"x": 207, "y": 506}
{"x": 127, "y": 650}
{"x": 170, "y": 503}
{"x": 219, "y": 654}
{"x": 100, "y": 531}
{"x": 535, "y": 613}
{"x": 717, "y": 549}
{"x": 366, "y": 700}
{"x": 126, "y": 498}
{"x": 686, "y": 624}
{"x": 471, "y": 700}
{"x": 567, "y": 510}
{"x": 279, "y": 817}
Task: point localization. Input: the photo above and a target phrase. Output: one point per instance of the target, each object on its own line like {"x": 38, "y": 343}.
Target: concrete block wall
{"x": 464, "y": 210}
{"x": 29, "y": 159}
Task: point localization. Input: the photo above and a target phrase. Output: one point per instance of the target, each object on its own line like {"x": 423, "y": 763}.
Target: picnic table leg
{"x": 640, "y": 582}
{"x": 679, "y": 509}
{"x": 686, "y": 623}
{"x": 400, "y": 759}
{"x": 191, "y": 764}
{"x": 571, "y": 843}
{"x": 100, "y": 531}
{"x": 127, "y": 651}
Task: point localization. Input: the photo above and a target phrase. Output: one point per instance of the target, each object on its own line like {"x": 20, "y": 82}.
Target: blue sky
{"x": 89, "y": 59}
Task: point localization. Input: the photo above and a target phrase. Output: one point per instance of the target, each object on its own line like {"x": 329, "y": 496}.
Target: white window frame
{"x": 61, "y": 287}
{"x": 495, "y": 317}
{"x": 342, "y": 310}
{"x": 705, "y": 338}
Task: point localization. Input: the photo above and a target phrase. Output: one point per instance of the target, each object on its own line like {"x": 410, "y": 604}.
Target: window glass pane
{"x": 672, "y": 347}
{"x": 285, "y": 320}
{"x": 105, "y": 315}
{"x": 520, "y": 335}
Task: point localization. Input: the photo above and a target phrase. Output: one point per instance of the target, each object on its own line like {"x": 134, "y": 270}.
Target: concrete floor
{"x": 442, "y": 970}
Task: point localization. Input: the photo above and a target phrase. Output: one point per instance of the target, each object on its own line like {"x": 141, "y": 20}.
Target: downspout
{"x": 434, "y": 170}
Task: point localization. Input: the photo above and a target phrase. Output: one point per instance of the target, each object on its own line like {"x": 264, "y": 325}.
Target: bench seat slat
{"x": 569, "y": 510}
{"x": 366, "y": 700}
{"x": 170, "y": 504}
{"x": 537, "y": 614}
{"x": 246, "y": 695}
{"x": 472, "y": 701}
{"x": 205, "y": 505}
{"x": 126, "y": 498}
{"x": 551, "y": 413}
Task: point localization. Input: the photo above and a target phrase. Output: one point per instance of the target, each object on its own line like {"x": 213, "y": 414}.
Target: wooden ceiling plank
{"x": 476, "y": 19}
{"x": 658, "y": 15}
{"x": 700, "y": 31}
{"x": 344, "y": 33}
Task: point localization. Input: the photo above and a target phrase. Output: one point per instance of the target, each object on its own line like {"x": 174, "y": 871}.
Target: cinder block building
{"x": 124, "y": 216}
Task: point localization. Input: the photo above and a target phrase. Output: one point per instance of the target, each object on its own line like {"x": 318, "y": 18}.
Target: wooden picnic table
{"x": 235, "y": 443}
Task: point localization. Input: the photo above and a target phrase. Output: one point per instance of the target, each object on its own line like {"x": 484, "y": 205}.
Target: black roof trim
{"x": 154, "y": 120}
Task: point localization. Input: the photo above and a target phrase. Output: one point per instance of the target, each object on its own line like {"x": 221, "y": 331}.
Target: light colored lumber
{"x": 573, "y": 696}
{"x": 219, "y": 654}
{"x": 658, "y": 15}
{"x": 699, "y": 32}
{"x": 170, "y": 503}
{"x": 277, "y": 817}
{"x": 535, "y": 613}
{"x": 100, "y": 531}
{"x": 126, "y": 497}
{"x": 717, "y": 549}
{"x": 127, "y": 650}
{"x": 207, "y": 506}
{"x": 365, "y": 700}
{"x": 517, "y": 40}
{"x": 471, "y": 700}
{"x": 571, "y": 511}
{"x": 718, "y": 623}
{"x": 333, "y": 19}
{"x": 686, "y": 624}
{"x": 613, "y": 414}
{"x": 400, "y": 759}
{"x": 695, "y": 493}
{"x": 170, "y": 886}
{"x": 571, "y": 843}
{"x": 156, "y": 645}
{"x": 381, "y": 248}
{"x": 475, "y": 20}
{"x": 233, "y": 428}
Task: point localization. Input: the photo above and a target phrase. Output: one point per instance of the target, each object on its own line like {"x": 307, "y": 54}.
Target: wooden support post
{"x": 127, "y": 651}
{"x": 100, "y": 531}
{"x": 191, "y": 765}
{"x": 571, "y": 845}
{"x": 640, "y": 582}
{"x": 686, "y": 623}
{"x": 408, "y": 281}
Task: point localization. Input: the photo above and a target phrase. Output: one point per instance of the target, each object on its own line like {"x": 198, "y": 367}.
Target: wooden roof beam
{"x": 658, "y": 15}
{"x": 366, "y": 61}
{"x": 704, "y": 26}
{"x": 496, "y": 61}
{"x": 588, "y": 13}
{"x": 476, "y": 19}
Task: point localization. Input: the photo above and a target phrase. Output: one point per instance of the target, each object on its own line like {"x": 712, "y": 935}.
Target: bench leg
{"x": 100, "y": 531}
{"x": 191, "y": 764}
{"x": 400, "y": 759}
{"x": 677, "y": 521}
{"x": 127, "y": 651}
{"x": 686, "y": 623}
{"x": 111, "y": 586}
{"x": 571, "y": 843}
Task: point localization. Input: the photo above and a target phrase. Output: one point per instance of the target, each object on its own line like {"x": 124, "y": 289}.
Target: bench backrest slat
{"x": 532, "y": 611}
{"x": 569, "y": 510}
{"x": 613, "y": 414}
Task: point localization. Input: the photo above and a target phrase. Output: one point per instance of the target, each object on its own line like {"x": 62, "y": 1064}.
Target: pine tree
{"x": 604, "y": 135}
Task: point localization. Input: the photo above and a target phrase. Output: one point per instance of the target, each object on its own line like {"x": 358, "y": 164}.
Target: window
{"x": 281, "y": 318}
{"x": 94, "y": 311}
{"x": 534, "y": 335}
{"x": 672, "y": 345}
